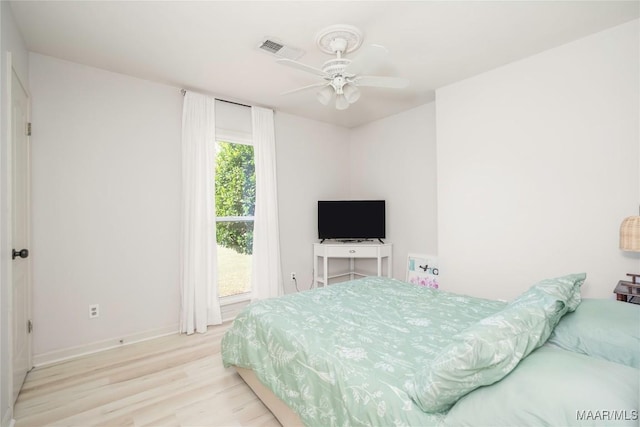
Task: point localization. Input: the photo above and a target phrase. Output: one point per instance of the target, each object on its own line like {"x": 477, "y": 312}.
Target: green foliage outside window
{"x": 235, "y": 195}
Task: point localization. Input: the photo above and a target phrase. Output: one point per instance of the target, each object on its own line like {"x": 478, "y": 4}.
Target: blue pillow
{"x": 554, "y": 387}
{"x": 602, "y": 328}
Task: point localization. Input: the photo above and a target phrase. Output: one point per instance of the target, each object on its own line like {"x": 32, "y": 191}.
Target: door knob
{"x": 22, "y": 253}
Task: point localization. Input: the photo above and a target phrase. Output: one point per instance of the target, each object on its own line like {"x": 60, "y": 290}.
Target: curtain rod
{"x": 184, "y": 92}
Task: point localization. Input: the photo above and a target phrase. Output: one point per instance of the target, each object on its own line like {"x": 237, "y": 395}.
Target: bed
{"x": 381, "y": 352}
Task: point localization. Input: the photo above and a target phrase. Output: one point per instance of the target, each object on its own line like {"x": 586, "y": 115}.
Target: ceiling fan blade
{"x": 303, "y": 88}
{"x": 301, "y": 66}
{"x": 371, "y": 57}
{"x": 379, "y": 81}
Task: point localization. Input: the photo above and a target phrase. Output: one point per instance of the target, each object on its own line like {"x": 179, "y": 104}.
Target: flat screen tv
{"x": 351, "y": 220}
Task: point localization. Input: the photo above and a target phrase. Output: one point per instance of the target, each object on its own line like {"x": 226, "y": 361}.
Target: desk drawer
{"x": 352, "y": 252}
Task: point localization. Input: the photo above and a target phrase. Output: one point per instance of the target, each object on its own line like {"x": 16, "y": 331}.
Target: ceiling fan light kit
{"x": 342, "y": 75}
{"x": 324, "y": 95}
{"x": 351, "y": 92}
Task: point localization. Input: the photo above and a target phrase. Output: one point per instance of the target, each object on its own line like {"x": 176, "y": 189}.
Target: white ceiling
{"x": 211, "y": 46}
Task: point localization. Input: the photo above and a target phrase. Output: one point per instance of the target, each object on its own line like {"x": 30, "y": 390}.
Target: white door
{"x": 20, "y": 272}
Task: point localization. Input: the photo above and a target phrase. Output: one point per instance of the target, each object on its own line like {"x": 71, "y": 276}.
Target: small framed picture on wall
{"x": 422, "y": 270}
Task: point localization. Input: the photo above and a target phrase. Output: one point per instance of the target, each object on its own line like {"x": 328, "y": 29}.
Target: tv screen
{"x": 351, "y": 219}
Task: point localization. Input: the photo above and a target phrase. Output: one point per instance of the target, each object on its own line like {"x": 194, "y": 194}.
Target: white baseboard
{"x": 231, "y": 310}
{"x": 73, "y": 352}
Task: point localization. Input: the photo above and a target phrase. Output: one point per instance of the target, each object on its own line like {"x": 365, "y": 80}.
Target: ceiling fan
{"x": 343, "y": 77}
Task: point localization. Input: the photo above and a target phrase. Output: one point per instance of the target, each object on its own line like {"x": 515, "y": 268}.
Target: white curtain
{"x": 267, "y": 274}
{"x": 200, "y": 306}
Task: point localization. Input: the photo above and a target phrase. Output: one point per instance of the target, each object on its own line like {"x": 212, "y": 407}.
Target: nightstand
{"x": 628, "y": 291}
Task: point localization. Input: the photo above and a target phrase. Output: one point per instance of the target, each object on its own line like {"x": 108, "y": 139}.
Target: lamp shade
{"x": 630, "y": 234}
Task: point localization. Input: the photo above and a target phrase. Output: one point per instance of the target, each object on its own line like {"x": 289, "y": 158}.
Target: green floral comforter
{"x": 342, "y": 355}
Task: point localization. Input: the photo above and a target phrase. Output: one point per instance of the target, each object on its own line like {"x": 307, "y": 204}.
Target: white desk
{"x": 351, "y": 251}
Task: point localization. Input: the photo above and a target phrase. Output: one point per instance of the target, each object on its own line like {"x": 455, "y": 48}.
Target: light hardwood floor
{"x": 176, "y": 380}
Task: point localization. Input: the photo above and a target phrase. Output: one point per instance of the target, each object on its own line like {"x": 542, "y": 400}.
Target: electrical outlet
{"x": 94, "y": 311}
{"x": 293, "y": 276}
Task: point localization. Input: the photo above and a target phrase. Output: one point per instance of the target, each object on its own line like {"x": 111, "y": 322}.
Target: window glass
{"x": 235, "y": 208}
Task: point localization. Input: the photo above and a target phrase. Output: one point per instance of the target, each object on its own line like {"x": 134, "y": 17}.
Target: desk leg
{"x": 315, "y": 271}
{"x": 325, "y": 271}
{"x": 389, "y": 266}
{"x": 621, "y": 297}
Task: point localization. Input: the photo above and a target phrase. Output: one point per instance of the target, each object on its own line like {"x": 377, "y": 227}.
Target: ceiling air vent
{"x": 275, "y": 47}
{"x": 271, "y": 46}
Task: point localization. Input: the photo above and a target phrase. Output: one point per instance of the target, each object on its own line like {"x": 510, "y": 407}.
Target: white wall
{"x": 313, "y": 164}
{"x": 106, "y": 204}
{"x": 107, "y": 174}
{"x": 11, "y": 44}
{"x": 106, "y": 198}
{"x": 538, "y": 163}
{"x": 395, "y": 159}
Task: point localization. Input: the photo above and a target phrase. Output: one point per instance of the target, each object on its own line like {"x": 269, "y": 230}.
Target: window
{"x": 235, "y": 208}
